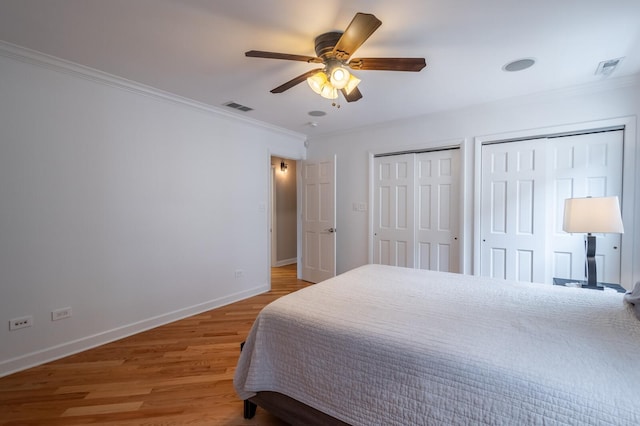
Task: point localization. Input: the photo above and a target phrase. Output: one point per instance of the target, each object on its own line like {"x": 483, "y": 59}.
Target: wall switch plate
{"x": 239, "y": 274}
{"x": 61, "y": 313}
{"x": 22, "y": 322}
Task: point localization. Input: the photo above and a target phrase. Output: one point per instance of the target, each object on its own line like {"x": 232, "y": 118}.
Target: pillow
{"x": 633, "y": 298}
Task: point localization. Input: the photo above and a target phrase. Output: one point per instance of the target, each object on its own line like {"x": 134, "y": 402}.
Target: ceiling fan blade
{"x": 388, "y": 64}
{"x": 358, "y": 31}
{"x": 299, "y": 79}
{"x": 353, "y": 96}
{"x": 286, "y": 56}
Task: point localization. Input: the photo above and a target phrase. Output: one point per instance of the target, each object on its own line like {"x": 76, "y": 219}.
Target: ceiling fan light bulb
{"x": 339, "y": 77}
{"x": 316, "y": 82}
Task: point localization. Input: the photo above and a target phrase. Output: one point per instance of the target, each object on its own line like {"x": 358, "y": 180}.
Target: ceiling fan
{"x": 334, "y": 50}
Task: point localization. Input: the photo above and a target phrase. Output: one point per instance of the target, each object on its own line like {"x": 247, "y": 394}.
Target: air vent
{"x": 605, "y": 68}
{"x": 238, "y": 106}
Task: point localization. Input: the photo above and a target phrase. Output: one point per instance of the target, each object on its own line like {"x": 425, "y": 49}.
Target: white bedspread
{"x": 381, "y": 345}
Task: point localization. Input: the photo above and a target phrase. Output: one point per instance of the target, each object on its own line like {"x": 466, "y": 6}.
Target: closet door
{"x": 584, "y": 165}
{"x": 393, "y": 228}
{"x": 437, "y": 207}
{"x": 416, "y": 213}
{"x": 524, "y": 185}
{"x": 513, "y": 211}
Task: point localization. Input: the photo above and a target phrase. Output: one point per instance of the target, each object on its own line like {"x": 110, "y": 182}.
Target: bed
{"x": 382, "y": 345}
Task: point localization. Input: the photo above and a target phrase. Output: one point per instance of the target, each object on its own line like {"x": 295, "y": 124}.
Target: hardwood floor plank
{"x": 102, "y": 409}
{"x": 177, "y": 374}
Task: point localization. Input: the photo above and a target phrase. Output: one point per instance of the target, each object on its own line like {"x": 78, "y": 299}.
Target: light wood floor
{"x": 179, "y": 373}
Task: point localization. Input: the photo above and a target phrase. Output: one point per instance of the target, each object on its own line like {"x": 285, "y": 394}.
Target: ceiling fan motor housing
{"x": 325, "y": 44}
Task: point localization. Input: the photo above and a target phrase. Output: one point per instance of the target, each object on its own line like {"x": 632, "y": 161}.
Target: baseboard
{"x": 53, "y": 353}
{"x": 285, "y": 262}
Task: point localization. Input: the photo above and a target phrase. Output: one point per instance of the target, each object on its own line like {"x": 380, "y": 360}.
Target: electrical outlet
{"x": 61, "y": 313}
{"x": 239, "y": 274}
{"x": 22, "y": 322}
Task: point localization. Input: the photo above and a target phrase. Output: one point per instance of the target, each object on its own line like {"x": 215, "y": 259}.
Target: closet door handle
{"x": 331, "y": 230}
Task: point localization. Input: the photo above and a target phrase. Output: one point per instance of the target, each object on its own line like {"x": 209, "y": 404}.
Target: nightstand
{"x": 564, "y": 281}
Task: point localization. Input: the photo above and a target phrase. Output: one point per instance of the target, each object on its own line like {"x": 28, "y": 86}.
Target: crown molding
{"x": 42, "y": 60}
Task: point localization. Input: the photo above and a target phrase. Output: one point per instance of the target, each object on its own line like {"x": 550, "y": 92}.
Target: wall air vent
{"x": 238, "y": 106}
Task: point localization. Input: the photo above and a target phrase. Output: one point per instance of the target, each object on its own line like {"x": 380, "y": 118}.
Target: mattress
{"x": 396, "y": 346}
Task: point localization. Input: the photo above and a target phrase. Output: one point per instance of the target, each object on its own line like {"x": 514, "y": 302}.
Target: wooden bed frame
{"x": 288, "y": 409}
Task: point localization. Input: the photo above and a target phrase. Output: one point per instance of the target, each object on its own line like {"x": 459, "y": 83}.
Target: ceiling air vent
{"x": 605, "y": 68}
{"x": 238, "y": 106}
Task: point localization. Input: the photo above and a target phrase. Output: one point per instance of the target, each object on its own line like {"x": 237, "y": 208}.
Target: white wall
{"x": 130, "y": 206}
{"x": 531, "y": 114}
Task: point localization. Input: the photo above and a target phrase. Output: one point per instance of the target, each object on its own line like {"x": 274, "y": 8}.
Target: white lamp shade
{"x": 597, "y": 215}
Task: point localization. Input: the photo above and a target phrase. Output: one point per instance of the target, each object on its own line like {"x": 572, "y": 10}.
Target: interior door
{"x": 437, "y": 210}
{"x": 318, "y": 216}
{"x": 513, "y": 214}
{"x": 393, "y": 229}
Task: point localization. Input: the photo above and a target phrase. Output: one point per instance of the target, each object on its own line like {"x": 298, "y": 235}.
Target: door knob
{"x": 331, "y": 230}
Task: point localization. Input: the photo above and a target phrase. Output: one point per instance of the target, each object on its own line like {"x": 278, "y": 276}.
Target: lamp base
{"x": 592, "y": 287}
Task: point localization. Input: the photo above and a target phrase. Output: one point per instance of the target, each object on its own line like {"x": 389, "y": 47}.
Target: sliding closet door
{"x": 513, "y": 218}
{"x": 524, "y": 185}
{"x": 584, "y": 165}
{"x": 393, "y": 229}
{"x": 416, "y": 212}
{"x": 437, "y": 179}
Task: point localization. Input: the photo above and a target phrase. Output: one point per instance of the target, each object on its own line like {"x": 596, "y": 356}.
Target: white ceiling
{"x": 195, "y": 48}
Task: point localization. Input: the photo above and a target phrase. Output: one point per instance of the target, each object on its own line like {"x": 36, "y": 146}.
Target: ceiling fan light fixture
{"x": 328, "y": 91}
{"x": 339, "y": 77}
{"x": 334, "y": 50}
{"x": 317, "y": 81}
{"x": 351, "y": 84}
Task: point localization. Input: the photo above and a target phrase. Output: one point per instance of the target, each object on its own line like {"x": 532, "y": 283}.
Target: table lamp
{"x": 592, "y": 215}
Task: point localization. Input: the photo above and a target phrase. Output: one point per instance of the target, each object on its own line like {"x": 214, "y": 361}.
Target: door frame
{"x": 273, "y": 231}
{"x": 632, "y": 229}
{"x": 270, "y": 182}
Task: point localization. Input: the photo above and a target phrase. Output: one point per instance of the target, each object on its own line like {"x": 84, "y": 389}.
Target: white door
{"x": 416, "y": 214}
{"x": 585, "y": 165}
{"x": 318, "y": 182}
{"x": 393, "y": 230}
{"x": 437, "y": 211}
{"x": 524, "y": 185}
{"x": 513, "y": 215}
